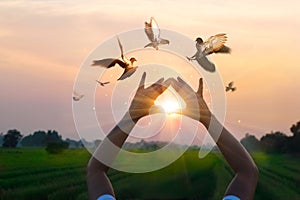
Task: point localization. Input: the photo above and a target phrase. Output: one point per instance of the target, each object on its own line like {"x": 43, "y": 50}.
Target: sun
{"x": 170, "y": 101}
{"x": 170, "y": 106}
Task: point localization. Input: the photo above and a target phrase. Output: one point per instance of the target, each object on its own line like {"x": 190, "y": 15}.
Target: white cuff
{"x": 106, "y": 197}
{"x": 231, "y": 197}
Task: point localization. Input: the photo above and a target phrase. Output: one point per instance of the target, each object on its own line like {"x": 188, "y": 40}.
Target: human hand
{"x": 196, "y": 107}
{"x": 144, "y": 98}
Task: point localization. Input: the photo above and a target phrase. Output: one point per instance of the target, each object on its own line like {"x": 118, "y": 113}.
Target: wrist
{"x": 127, "y": 123}
{"x": 205, "y": 119}
{"x": 136, "y": 114}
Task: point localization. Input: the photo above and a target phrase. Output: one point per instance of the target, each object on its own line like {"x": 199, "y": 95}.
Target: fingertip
{"x": 142, "y": 82}
{"x": 200, "y": 87}
{"x": 160, "y": 80}
{"x": 201, "y": 81}
{"x": 179, "y": 79}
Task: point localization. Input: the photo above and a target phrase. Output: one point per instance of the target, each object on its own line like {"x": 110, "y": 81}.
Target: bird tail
{"x": 95, "y": 63}
{"x": 164, "y": 41}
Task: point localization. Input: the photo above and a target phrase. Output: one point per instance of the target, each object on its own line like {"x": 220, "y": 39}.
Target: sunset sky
{"x": 44, "y": 43}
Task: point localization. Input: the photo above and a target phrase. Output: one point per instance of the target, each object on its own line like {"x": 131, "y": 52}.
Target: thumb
{"x": 200, "y": 87}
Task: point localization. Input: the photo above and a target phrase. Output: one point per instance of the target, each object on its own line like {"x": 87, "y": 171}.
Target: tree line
{"x": 274, "y": 142}
{"x": 50, "y": 140}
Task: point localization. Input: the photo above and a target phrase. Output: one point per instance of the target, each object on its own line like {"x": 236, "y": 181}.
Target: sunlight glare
{"x": 170, "y": 102}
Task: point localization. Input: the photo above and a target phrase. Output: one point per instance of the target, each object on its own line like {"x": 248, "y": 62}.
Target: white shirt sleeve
{"x": 231, "y": 197}
{"x": 106, "y": 197}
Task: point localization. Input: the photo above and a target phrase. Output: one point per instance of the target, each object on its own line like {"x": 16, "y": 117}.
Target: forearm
{"x": 104, "y": 155}
{"x": 112, "y": 143}
{"x": 245, "y": 180}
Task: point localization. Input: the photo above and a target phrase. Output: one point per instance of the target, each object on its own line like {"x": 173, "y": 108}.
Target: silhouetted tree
{"x": 37, "y": 139}
{"x": 1, "y": 139}
{"x": 40, "y": 138}
{"x": 294, "y": 141}
{"x": 275, "y": 142}
{"x": 12, "y": 138}
{"x": 251, "y": 143}
{"x": 52, "y": 136}
{"x": 295, "y": 129}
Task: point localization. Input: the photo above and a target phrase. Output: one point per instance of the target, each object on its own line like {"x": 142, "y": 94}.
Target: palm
{"x": 144, "y": 98}
{"x": 196, "y": 107}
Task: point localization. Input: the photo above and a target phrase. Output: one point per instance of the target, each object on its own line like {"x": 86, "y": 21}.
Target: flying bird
{"x": 214, "y": 44}
{"x": 153, "y": 33}
{"x": 102, "y": 83}
{"x": 126, "y": 64}
{"x": 76, "y": 96}
{"x": 230, "y": 87}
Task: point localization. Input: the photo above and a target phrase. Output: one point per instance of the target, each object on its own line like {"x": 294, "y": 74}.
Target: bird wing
{"x": 230, "y": 84}
{"x": 109, "y": 62}
{"x": 152, "y": 30}
{"x": 214, "y": 43}
{"x": 155, "y": 28}
{"x": 149, "y": 31}
{"x": 223, "y": 49}
{"x": 99, "y": 82}
{"x": 127, "y": 73}
{"x": 205, "y": 63}
{"x": 77, "y": 96}
{"x": 121, "y": 48}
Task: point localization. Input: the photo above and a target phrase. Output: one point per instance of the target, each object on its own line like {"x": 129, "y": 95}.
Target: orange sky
{"x": 43, "y": 44}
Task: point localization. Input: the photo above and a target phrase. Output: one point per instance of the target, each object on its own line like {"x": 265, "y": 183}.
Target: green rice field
{"x": 35, "y": 174}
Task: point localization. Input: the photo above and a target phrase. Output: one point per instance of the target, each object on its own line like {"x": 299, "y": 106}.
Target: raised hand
{"x": 196, "y": 107}
{"x": 143, "y": 101}
{"x": 244, "y": 183}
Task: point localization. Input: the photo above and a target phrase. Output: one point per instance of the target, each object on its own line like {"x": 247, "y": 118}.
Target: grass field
{"x": 35, "y": 174}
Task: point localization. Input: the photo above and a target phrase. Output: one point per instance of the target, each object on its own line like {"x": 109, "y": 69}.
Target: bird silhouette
{"x": 76, "y": 96}
{"x": 230, "y": 87}
{"x": 214, "y": 44}
{"x": 153, "y": 33}
{"x": 102, "y": 83}
{"x": 126, "y": 64}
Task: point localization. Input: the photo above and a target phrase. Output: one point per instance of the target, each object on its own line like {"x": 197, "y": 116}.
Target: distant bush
{"x": 56, "y": 147}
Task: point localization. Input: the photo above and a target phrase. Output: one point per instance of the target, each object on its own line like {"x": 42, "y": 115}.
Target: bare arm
{"x": 244, "y": 183}
{"x": 97, "y": 180}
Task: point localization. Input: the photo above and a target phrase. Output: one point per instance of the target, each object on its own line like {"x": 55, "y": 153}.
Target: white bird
{"x": 76, "y": 96}
{"x": 214, "y": 44}
{"x": 102, "y": 83}
{"x": 230, "y": 87}
{"x": 126, "y": 64}
{"x": 153, "y": 33}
